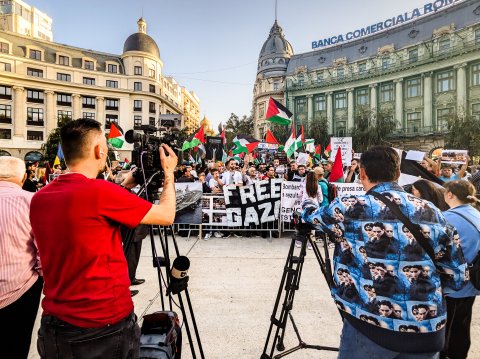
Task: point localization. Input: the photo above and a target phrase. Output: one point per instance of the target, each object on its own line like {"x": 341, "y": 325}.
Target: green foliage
{"x": 464, "y": 134}
{"x": 238, "y": 126}
{"x": 50, "y": 146}
{"x": 371, "y": 128}
{"x": 318, "y": 130}
{"x": 280, "y": 132}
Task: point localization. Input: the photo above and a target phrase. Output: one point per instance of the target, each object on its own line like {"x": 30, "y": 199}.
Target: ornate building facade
{"x": 41, "y": 81}
{"x": 419, "y": 74}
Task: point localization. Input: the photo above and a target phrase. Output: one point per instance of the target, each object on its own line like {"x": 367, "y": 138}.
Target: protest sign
{"x": 415, "y": 155}
{"x": 267, "y": 146}
{"x": 214, "y": 148}
{"x": 302, "y": 158}
{"x": 188, "y": 209}
{"x": 344, "y": 189}
{"x": 345, "y": 143}
{"x": 214, "y": 211}
{"x": 454, "y": 157}
{"x": 291, "y": 199}
{"x": 282, "y": 157}
{"x": 253, "y": 205}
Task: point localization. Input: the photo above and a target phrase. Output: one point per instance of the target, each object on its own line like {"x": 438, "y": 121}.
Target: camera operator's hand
{"x": 128, "y": 180}
{"x": 168, "y": 162}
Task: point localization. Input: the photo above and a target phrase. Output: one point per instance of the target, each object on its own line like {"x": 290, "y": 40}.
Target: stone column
{"x": 51, "y": 119}
{"x": 101, "y": 110}
{"x": 330, "y": 112}
{"x": 77, "y": 106}
{"x": 19, "y": 117}
{"x": 309, "y": 110}
{"x": 427, "y": 100}
{"x": 399, "y": 103}
{"x": 350, "y": 109}
{"x": 461, "y": 89}
{"x": 373, "y": 97}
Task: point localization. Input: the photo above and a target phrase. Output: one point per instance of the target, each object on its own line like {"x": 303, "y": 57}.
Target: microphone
{"x": 179, "y": 275}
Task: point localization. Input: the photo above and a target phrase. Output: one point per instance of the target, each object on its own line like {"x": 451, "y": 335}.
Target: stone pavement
{"x": 233, "y": 285}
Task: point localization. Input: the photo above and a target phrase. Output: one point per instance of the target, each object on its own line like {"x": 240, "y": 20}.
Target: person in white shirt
{"x": 230, "y": 176}
{"x": 215, "y": 183}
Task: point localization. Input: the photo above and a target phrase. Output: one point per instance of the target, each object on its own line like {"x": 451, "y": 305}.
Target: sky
{"x": 212, "y": 46}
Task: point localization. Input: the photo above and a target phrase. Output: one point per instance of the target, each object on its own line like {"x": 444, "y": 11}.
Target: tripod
{"x": 164, "y": 261}
{"x": 290, "y": 284}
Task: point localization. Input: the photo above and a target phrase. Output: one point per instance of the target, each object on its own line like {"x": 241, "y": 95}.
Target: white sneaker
{"x": 207, "y": 236}
{"x": 298, "y": 244}
{"x": 309, "y": 246}
{"x": 217, "y": 234}
{"x": 227, "y": 235}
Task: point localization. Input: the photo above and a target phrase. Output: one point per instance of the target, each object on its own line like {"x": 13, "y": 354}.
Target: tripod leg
{"x": 194, "y": 322}
{"x": 187, "y": 327}
{"x": 158, "y": 266}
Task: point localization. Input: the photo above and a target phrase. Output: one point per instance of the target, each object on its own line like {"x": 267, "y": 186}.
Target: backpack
{"x": 331, "y": 190}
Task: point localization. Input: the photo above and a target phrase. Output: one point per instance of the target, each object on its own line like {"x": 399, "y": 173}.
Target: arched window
{"x": 33, "y": 156}
{"x": 4, "y": 153}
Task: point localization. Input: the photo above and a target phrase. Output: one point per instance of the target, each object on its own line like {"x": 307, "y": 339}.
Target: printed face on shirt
{"x": 389, "y": 230}
{"x": 420, "y": 314}
{"x": 377, "y": 232}
{"x": 384, "y": 310}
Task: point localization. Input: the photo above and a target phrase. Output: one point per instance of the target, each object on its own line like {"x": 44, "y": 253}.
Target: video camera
{"x": 146, "y": 154}
{"x": 301, "y": 228}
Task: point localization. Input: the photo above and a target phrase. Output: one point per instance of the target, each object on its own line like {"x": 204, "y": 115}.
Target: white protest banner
{"x": 454, "y": 157}
{"x": 267, "y": 146}
{"x": 415, "y": 155}
{"x": 344, "y": 189}
{"x": 345, "y": 143}
{"x": 302, "y": 158}
{"x": 291, "y": 199}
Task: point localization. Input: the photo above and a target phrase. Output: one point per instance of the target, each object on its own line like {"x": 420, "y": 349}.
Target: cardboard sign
{"x": 454, "y": 157}
{"x": 345, "y": 143}
{"x": 291, "y": 199}
{"x": 344, "y": 189}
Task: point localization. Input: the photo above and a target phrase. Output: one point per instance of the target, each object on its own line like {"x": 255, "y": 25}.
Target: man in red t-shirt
{"x": 87, "y": 309}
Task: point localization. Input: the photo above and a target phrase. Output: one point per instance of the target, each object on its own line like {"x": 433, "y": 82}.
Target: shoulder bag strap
{"x": 414, "y": 228}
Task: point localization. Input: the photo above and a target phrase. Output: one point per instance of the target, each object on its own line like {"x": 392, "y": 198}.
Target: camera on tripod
{"x": 146, "y": 154}
{"x": 301, "y": 228}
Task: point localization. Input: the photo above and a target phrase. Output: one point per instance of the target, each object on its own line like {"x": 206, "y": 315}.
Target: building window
{"x": 477, "y": 35}
{"x": 35, "y": 96}
{"x": 152, "y": 107}
{"x": 414, "y": 87}
{"x": 151, "y": 121}
{"x": 445, "y": 81}
{"x": 320, "y": 103}
{"x": 444, "y": 45}
{"x": 261, "y": 110}
{"x": 443, "y": 115}
{"x": 137, "y": 105}
{"x": 362, "y": 96}
{"x": 137, "y": 70}
{"x": 137, "y": 86}
{"x": 386, "y": 93}
{"x": 301, "y": 105}
{"x": 320, "y": 76}
{"x": 109, "y": 118}
{"x": 4, "y": 47}
{"x": 340, "y": 128}
{"x": 90, "y": 115}
{"x": 34, "y": 116}
{"x": 413, "y": 55}
{"x": 151, "y": 73}
{"x": 89, "y": 65}
{"x": 111, "y": 83}
{"x": 414, "y": 122}
{"x": 34, "y": 135}
{"x": 340, "y": 72}
{"x": 88, "y": 102}
{"x": 5, "y": 114}
{"x": 340, "y": 100}
{"x": 476, "y": 75}
{"x": 64, "y": 115}
{"x": 63, "y": 60}
{"x": 88, "y": 81}
{"x": 476, "y": 110}
{"x": 6, "y": 92}
{"x": 301, "y": 80}
{"x": 64, "y": 99}
{"x": 5, "y": 134}
{"x": 111, "y": 104}
{"x": 137, "y": 122}
{"x": 151, "y": 88}
{"x": 362, "y": 67}
{"x": 35, "y": 54}
{"x": 34, "y": 72}
{"x": 275, "y": 85}
{"x": 5, "y": 66}
{"x": 64, "y": 77}
{"x": 386, "y": 63}
{"x": 112, "y": 68}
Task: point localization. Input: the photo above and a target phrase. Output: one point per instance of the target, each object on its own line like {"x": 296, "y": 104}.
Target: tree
{"x": 371, "y": 128}
{"x": 464, "y": 133}
{"x": 236, "y": 126}
{"x": 280, "y": 132}
{"x": 50, "y": 147}
{"x": 318, "y": 130}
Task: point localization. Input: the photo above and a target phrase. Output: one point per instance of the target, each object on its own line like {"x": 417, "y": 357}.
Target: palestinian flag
{"x": 318, "y": 152}
{"x": 310, "y": 145}
{"x": 115, "y": 137}
{"x": 328, "y": 151}
{"x": 278, "y": 113}
{"x": 126, "y": 164}
{"x": 244, "y": 144}
{"x": 194, "y": 140}
{"x": 293, "y": 144}
{"x": 337, "y": 169}
{"x": 270, "y": 138}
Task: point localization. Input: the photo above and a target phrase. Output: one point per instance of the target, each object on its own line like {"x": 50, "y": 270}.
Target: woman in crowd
{"x": 459, "y": 195}
{"x": 425, "y": 189}
{"x": 323, "y": 184}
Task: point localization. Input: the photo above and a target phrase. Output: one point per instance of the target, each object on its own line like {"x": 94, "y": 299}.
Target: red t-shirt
{"x": 75, "y": 221}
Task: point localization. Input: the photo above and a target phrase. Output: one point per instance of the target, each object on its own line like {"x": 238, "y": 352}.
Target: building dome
{"x": 276, "y": 51}
{"x": 140, "y": 41}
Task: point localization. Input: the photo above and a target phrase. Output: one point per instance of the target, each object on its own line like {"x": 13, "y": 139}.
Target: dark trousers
{"x": 17, "y": 321}
{"x": 133, "y": 257}
{"x": 459, "y": 317}
{"x": 60, "y": 340}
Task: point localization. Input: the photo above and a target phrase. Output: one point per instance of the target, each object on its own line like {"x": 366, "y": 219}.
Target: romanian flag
{"x": 270, "y": 138}
{"x": 115, "y": 137}
{"x": 337, "y": 169}
{"x": 278, "y": 113}
{"x": 194, "y": 140}
{"x": 59, "y": 157}
{"x": 244, "y": 144}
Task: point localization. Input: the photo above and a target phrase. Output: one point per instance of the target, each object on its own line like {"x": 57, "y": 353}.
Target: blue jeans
{"x": 354, "y": 345}
{"x": 58, "y": 339}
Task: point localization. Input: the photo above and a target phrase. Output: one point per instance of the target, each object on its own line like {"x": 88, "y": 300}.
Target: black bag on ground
{"x": 161, "y": 336}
